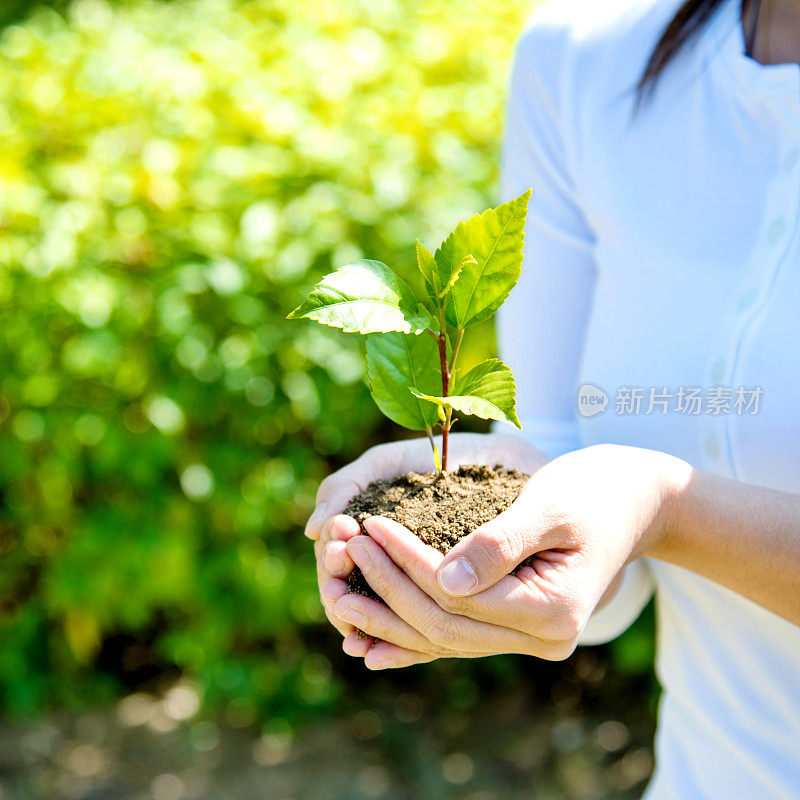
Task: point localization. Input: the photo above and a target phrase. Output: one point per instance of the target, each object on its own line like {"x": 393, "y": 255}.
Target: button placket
{"x": 784, "y": 255}
{"x": 759, "y": 277}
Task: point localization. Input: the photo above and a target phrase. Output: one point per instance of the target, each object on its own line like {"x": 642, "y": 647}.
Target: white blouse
{"x": 663, "y": 263}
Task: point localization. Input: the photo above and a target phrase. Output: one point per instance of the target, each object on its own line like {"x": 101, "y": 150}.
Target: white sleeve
{"x": 542, "y": 326}
{"x": 625, "y": 605}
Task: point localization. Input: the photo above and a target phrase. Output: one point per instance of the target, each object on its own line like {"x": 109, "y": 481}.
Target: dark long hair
{"x": 688, "y": 21}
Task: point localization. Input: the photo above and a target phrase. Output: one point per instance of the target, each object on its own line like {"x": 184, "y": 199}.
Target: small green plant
{"x": 414, "y": 328}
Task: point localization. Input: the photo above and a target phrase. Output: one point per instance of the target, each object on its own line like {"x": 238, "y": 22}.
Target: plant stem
{"x": 456, "y": 348}
{"x": 445, "y": 367}
{"x": 429, "y": 434}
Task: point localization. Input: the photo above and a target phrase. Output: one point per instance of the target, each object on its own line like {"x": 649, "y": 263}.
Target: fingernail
{"x": 375, "y": 532}
{"x": 344, "y": 527}
{"x": 360, "y": 555}
{"x": 458, "y": 578}
{"x": 334, "y": 562}
{"x": 353, "y": 616}
{"x": 330, "y": 592}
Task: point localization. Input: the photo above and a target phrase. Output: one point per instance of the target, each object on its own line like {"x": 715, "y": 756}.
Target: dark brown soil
{"x": 440, "y": 508}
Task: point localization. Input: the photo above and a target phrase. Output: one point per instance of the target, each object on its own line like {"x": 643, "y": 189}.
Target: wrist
{"x": 674, "y": 478}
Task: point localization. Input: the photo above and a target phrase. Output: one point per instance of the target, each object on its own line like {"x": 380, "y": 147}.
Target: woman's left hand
{"x": 581, "y": 517}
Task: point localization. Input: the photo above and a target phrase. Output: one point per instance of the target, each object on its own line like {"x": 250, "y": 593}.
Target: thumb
{"x": 490, "y": 552}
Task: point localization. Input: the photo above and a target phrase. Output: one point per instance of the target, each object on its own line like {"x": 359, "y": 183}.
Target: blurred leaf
{"x": 83, "y": 634}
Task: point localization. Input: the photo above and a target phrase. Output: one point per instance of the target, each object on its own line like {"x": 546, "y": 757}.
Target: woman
{"x": 662, "y": 262}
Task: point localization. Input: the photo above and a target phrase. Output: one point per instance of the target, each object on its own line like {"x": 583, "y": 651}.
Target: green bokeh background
{"x": 173, "y": 177}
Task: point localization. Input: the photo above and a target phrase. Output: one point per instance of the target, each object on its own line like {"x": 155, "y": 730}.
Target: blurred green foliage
{"x": 172, "y": 178}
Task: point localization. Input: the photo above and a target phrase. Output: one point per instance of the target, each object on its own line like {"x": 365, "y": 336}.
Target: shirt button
{"x": 747, "y": 299}
{"x": 718, "y": 370}
{"x": 792, "y": 158}
{"x": 776, "y": 230}
{"x": 712, "y": 446}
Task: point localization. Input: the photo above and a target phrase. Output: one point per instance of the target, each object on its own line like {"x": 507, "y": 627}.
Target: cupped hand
{"x": 581, "y": 518}
{"x": 331, "y": 530}
{"x": 419, "y": 622}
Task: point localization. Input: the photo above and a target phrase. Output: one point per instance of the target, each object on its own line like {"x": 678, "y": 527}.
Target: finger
{"x": 357, "y": 645}
{"x": 421, "y": 563}
{"x": 323, "y": 517}
{"x": 313, "y": 529}
{"x": 385, "y": 655}
{"x": 342, "y": 627}
{"x": 335, "y": 532}
{"x": 380, "y": 622}
{"x": 333, "y": 495}
{"x": 341, "y": 527}
{"x": 418, "y": 560}
{"x": 423, "y": 614}
{"x": 337, "y": 562}
{"x": 539, "y": 601}
{"x": 330, "y": 590}
{"x": 496, "y": 548}
{"x": 338, "y": 529}
{"x": 334, "y": 504}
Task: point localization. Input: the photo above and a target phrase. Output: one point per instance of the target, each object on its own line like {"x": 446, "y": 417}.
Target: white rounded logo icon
{"x": 591, "y": 400}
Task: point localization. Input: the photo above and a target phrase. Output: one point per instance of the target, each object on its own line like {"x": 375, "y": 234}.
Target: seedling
{"x": 414, "y": 326}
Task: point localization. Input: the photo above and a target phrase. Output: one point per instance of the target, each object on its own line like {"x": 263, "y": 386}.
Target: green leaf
{"x": 437, "y": 457}
{"x": 468, "y": 259}
{"x": 396, "y": 363}
{"x": 427, "y": 266}
{"x": 495, "y": 238}
{"x": 487, "y": 391}
{"x": 364, "y": 297}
